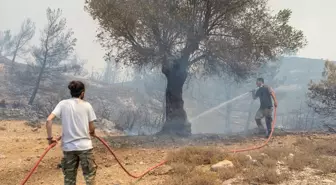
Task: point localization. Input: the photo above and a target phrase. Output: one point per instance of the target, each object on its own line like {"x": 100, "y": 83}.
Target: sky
{"x": 314, "y": 17}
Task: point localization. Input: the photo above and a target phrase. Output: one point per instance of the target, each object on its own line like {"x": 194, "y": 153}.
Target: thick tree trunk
{"x": 37, "y": 86}
{"x": 176, "y": 117}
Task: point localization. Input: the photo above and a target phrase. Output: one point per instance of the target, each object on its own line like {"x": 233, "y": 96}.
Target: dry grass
{"x": 277, "y": 153}
{"x": 191, "y": 165}
{"x": 326, "y": 147}
{"x": 300, "y": 161}
{"x": 2, "y": 128}
{"x": 261, "y": 174}
{"x": 228, "y": 173}
{"x": 194, "y": 178}
{"x": 325, "y": 165}
{"x": 195, "y": 156}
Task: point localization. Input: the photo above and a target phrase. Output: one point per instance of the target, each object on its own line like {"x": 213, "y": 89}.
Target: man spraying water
{"x": 265, "y": 95}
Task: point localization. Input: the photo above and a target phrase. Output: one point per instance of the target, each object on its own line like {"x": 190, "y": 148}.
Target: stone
{"x": 291, "y": 156}
{"x": 328, "y": 181}
{"x": 249, "y": 157}
{"x": 263, "y": 154}
{"x": 280, "y": 163}
{"x": 222, "y": 165}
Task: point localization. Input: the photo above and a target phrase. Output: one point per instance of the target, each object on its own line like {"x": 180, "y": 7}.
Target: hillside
{"x": 129, "y": 104}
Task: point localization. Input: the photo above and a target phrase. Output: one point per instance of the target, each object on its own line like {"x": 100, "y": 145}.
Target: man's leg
{"x": 70, "y": 164}
{"x": 259, "y": 115}
{"x": 268, "y": 120}
{"x": 89, "y": 166}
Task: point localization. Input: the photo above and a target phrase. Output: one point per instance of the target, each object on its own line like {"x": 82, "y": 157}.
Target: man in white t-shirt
{"x": 77, "y": 117}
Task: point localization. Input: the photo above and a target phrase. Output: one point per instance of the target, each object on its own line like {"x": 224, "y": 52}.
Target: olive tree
{"x": 184, "y": 37}
{"x": 322, "y": 94}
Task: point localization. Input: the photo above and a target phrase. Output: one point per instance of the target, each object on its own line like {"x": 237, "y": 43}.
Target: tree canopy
{"x": 322, "y": 94}
{"x": 183, "y": 37}
{"x": 218, "y": 35}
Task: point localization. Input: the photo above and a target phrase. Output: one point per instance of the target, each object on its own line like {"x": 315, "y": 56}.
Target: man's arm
{"x": 273, "y": 97}
{"x": 92, "y": 128}
{"x": 92, "y": 118}
{"x": 49, "y": 125}
{"x": 55, "y": 113}
{"x": 254, "y": 94}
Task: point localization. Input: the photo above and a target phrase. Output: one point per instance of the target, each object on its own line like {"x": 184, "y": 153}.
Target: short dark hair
{"x": 260, "y": 80}
{"x": 76, "y": 88}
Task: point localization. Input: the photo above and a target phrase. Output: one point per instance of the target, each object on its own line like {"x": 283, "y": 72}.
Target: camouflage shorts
{"x": 261, "y": 113}
{"x": 70, "y": 163}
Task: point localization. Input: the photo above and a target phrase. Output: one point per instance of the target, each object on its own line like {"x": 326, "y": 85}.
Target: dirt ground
{"x": 21, "y": 146}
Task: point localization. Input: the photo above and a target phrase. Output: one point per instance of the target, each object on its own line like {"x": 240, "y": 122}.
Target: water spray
{"x": 222, "y": 104}
{"x": 219, "y": 106}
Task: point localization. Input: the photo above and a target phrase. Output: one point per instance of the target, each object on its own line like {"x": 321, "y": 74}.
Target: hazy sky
{"x": 314, "y": 17}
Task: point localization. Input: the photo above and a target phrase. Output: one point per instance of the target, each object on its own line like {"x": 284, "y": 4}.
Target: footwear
{"x": 59, "y": 166}
{"x": 268, "y": 134}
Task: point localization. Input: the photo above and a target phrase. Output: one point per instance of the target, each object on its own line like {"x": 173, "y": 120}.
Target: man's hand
{"x": 51, "y": 140}
{"x": 93, "y": 134}
{"x": 275, "y": 104}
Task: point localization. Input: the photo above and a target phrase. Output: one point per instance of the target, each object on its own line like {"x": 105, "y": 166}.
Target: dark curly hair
{"x": 76, "y": 88}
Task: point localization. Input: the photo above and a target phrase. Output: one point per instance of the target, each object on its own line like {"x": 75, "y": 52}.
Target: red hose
{"x": 128, "y": 173}
{"x": 38, "y": 162}
{"x": 262, "y": 145}
{"x": 163, "y": 162}
{"x": 150, "y": 169}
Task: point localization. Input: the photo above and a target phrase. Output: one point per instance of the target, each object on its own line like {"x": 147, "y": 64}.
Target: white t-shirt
{"x": 75, "y": 115}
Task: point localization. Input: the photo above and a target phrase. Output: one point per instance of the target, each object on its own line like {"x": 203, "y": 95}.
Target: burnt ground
{"x": 21, "y": 146}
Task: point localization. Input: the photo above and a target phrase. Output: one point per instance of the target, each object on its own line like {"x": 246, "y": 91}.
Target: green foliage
{"x": 323, "y": 93}
{"x": 212, "y": 37}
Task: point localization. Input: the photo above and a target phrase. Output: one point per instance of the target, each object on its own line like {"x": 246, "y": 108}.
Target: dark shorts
{"x": 70, "y": 163}
{"x": 266, "y": 112}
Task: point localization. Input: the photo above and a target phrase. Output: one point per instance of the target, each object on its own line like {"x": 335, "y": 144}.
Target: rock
{"x": 222, "y": 165}
{"x": 263, "y": 154}
{"x": 280, "y": 163}
{"x": 141, "y": 163}
{"x": 291, "y": 156}
{"x": 107, "y": 165}
{"x": 249, "y": 157}
{"x": 34, "y": 129}
{"x": 277, "y": 171}
{"x": 328, "y": 181}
